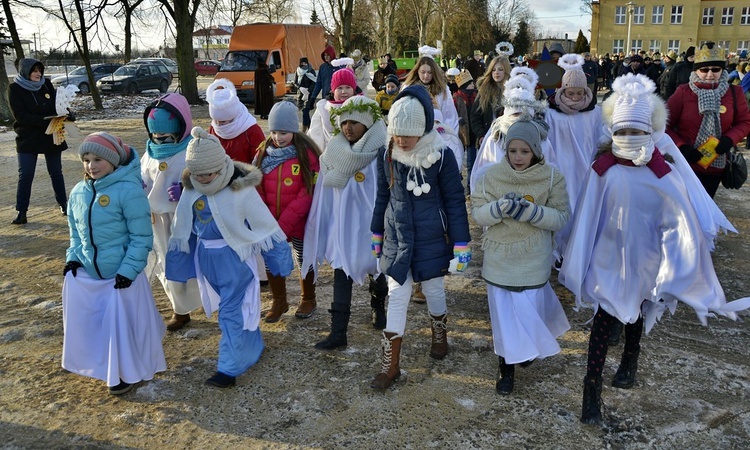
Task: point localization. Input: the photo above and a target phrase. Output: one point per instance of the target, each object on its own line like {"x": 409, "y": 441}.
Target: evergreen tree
{"x": 314, "y": 19}
{"x": 582, "y": 44}
{"x": 522, "y": 40}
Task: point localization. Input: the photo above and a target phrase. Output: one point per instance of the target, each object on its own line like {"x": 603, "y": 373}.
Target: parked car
{"x": 171, "y": 65}
{"x": 135, "y": 77}
{"x": 207, "y": 67}
{"x": 78, "y": 76}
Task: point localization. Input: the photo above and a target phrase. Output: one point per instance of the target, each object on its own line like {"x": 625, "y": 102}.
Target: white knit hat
{"x": 406, "y": 118}
{"x": 633, "y": 105}
{"x": 204, "y": 153}
{"x": 573, "y": 66}
{"x": 358, "y": 109}
{"x": 223, "y": 103}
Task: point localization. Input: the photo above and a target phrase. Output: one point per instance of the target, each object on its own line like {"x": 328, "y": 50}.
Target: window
{"x": 618, "y": 46}
{"x": 743, "y": 45}
{"x": 676, "y": 17}
{"x": 657, "y": 16}
{"x": 724, "y": 45}
{"x": 620, "y": 15}
{"x": 745, "y": 16}
{"x": 708, "y": 16}
{"x": 636, "y": 45}
{"x": 673, "y": 45}
{"x": 726, "y": 15}
{"x": 654, "y": 46}
{"x": 639, "y": 14}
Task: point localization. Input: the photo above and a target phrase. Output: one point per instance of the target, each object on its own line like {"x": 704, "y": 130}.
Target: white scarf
{"x": 236, "y": 127}
{"x": 633, "y": 148}
{"x": 426, "y": 153}
{"x": 221, "y": 180}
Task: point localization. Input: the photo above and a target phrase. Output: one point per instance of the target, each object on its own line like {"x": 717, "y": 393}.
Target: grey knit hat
{"x": 105, "y": 146}
{"x": 204, "y": 153}
{"x": 528, "y": 130}
{"x": 283, "y": 117}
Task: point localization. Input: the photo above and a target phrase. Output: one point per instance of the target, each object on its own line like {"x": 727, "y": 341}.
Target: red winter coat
{"x": 244, "y": 147}
{"x": 684, "y": 119}
{"x": 283, "y": 191}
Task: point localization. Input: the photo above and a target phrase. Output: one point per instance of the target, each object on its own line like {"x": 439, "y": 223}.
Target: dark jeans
{"x": 710, "y": 182}
{"x": 26, "y": 171}
{"x": 342, "y": 289}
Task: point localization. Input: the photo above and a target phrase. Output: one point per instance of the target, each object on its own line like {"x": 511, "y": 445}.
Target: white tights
{"x": 400, "y": 294}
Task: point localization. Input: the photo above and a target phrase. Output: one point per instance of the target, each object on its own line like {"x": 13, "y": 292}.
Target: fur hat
{"x": 633, "y": 104}
{"x": 283, "y": 117}
{"x": 528, "y": 130}
{"x": 518, "y": 97}
{"x": 452, "y": 72}
{"x": 573, "y": 66}
{"x": 392, "y": 79}
{"x": 162, "y": 120}
{"x": 464, "y": 78}
{"x": 710, "y": 55}
{"x": 343, "y": 61}
{"x": 526, "y": 72}
{"x": 223, "y": 103}
{"x": 343, "y": 76}
{"x": 358, "y": 109}
{"x": 412, "y": 113}
{"x": 426, "y": 50}
{"x": 104, "y": 145}
{"x": 204, "y": 153}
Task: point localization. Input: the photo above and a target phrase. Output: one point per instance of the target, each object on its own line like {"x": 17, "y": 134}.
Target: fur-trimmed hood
{"x": 245, "y": 175}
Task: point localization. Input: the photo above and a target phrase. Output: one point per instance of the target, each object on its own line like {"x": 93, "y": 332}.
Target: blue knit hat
{"x": 404, "y": 118}
{"x": 161, "y": 120}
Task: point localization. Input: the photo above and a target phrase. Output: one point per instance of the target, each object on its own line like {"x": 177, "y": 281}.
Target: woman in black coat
{"x": 264, "y": 90}
{"x": 32, "y": 98}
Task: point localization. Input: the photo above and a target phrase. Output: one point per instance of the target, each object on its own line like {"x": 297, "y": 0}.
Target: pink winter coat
{"x": 244, "y": 147}
{"x": 284, "y": 192}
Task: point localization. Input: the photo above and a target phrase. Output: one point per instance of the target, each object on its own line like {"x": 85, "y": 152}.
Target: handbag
{"x": 735, "y": 172}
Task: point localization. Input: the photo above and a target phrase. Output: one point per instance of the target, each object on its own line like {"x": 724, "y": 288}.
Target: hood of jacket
{"x": 330, "y": 51}
{"x": 25, "y": 65}
{"x": 178, "y": 105}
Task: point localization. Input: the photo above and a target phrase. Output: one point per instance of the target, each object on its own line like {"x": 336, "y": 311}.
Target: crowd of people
{"x": 373, "y": 188}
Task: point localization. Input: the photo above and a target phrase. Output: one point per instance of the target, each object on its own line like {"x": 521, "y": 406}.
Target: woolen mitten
{"x": 531, "y": 212}
{"x": 690, "y": 153}
{"x": 122, "y": 282}
{"x": 725, "y": 144}
{"x": 71, "y": 266}
{"x": 377, "y": 244}
{"x": 462, "y": 253}
{"x": 500, "y": 208}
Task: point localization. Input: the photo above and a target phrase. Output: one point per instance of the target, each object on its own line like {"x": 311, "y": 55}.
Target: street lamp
{"x": 630, "y": 6}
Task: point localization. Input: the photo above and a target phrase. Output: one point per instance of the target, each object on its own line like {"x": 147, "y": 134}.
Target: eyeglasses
{"x": 711, "y": 69}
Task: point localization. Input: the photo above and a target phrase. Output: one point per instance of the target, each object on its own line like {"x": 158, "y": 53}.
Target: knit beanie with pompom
{"x": 204, "y": 153}
{"x": 108, "y": 147}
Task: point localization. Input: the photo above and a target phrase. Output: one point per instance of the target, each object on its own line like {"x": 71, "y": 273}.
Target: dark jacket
{"x": 591, "y": 69}
{"x": 680, "y": 74}
{"x": 378, "y": 78}
{"x": 264, "y": 90}
{"x": 664, "y": 79}
{"x": 29, "y": 111}
{"x": 654, "y": 71}
{"x": 474, "y": 68}
{"x": 323, "y": 81}
{"x": 481, "y": 121}
{"x": 419, "y": 232}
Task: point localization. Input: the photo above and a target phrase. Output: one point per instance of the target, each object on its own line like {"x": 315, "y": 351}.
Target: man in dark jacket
{"x": 670, "y": 59}
{"x": 384, "y": 69}
{"x": 653, "y": 69}
{"x": 591, "y": 69}
{"x": 635, "y": 66}
{"x": 322, "y": 84}
{"x": 473, "y": 66}
{"x": 680, "y": 74}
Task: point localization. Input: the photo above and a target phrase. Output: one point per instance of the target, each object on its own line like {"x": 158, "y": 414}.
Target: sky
{"x": 556, "y": 17}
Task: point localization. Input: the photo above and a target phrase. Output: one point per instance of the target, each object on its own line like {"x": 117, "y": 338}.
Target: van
{"x": 280, "y": 45}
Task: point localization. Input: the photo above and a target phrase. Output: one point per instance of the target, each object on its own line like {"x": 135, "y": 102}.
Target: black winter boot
{"x": 615, "y": 332}
{"x": 591, "y": 410}
{"x": 337, "y": 337}
{"x": 505, "y": 375}
{"x": 378, "y": 312}
{"x": 625, "y": 376}
{"x": 20, "y": 218}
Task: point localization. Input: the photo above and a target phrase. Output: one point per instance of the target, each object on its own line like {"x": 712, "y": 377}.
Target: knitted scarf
{"x": 426, "y": 153}
{"x": 511, "y": 237}
{"x": 220, "y": 182}
{"x": 568, "y": 106}
{"x": 164, "y": 151}
{"x": 709, "y": 102}
{"x": 342, "y": 159}
{"x": 239, "y": 125}
{"x": 27, "y": 84}
{"x": 276, "y": 156}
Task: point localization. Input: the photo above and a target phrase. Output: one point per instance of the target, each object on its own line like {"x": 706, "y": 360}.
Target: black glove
{"x": 121, "y": 282}
{"x": 690, "y": 153}
{"x": 725, "y": 144}
{"x": 71, "y": 266}
{"x": 71, "y": 116}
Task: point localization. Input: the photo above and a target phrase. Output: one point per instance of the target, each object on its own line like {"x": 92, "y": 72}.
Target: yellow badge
{"x": 529, "y": 198}
{"x": 104, "y": 200}
{"x": 315, "y": 177}
{"x": 46, "y": 96}
{"x": 722, "y": 109}
{"x": 359, "y": 176}
{"x": 288, "y": 181}
{"x": 200, "y": 205}
{"x": 163, "y": 166}
{"x": 295, "y": 169}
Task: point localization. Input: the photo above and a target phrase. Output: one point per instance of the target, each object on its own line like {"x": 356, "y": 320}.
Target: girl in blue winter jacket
{"x": 113, "y": 330}
{"x": 419, "y": 222}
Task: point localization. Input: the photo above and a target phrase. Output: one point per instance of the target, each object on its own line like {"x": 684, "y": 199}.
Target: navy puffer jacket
{"x": 419, "y": 232}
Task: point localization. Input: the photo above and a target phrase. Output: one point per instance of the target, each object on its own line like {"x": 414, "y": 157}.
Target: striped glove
{"x": 530, "y": 212}
{"x": 376, "y": 244}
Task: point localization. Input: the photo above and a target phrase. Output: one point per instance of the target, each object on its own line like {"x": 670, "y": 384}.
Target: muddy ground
{"x": 692, "y": 389}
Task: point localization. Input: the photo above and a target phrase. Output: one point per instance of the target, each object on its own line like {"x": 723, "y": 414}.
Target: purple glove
{"x": 175, "y": 192}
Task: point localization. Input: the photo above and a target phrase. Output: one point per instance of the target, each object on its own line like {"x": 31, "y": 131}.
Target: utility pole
{"x": 629, "y": 45}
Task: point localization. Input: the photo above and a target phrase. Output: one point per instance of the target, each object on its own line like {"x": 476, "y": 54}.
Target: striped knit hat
{"x": 105, "y": 146}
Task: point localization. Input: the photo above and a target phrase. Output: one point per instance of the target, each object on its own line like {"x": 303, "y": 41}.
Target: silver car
{"x": 78, "y": 77}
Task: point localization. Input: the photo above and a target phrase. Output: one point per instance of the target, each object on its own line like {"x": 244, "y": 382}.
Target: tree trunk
{"x": 184, "y": 22}
{"x": 6, "y": 115}
{"x": 13, "y": 34}
{"x": 128, "y": 36}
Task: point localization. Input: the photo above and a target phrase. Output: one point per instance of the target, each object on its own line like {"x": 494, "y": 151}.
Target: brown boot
{"x": 390, "y": 371}
{"x": 307, "y": 304}
{"x": 279, "y": 305}
{"x": 178, "y": 322}
{"x": 439, "y": 348}
{"x": 417, "y": 296}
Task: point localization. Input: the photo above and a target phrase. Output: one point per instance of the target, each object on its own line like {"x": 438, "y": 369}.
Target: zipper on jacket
{"x": 444, "y": 222}
{"x": 278, "y": 192}
{"x": 91, "y": 231}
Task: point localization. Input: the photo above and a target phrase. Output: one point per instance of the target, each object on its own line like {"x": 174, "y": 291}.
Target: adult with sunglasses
{"x": 708, "y": 106}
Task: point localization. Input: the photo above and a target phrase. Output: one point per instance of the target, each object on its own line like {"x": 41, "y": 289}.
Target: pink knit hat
{"x": 343, "y": 76}
{"x": 573, "y": 76}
